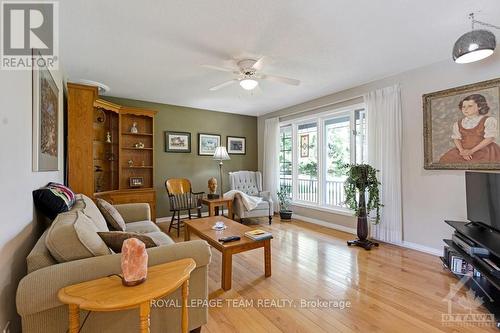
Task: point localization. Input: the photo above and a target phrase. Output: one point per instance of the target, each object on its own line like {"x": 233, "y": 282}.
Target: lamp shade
{"x": 474, "y": 46}
{"x": 221, "y": 154}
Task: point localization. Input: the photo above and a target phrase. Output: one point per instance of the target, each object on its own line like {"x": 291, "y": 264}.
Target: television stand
{"x": 480, "y": 274}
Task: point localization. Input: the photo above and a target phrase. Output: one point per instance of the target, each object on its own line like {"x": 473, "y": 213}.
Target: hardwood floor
{"x": 390, "y": 289}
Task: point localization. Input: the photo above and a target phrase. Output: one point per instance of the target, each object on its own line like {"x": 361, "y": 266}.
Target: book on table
{"x": 258, "y": 235}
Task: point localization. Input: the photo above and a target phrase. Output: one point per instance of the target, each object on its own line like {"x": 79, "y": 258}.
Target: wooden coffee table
{"x": 203, "y": 229}
{"x": 108, "y": 293}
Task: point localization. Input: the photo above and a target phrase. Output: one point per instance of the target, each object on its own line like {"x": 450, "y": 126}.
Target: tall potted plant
{"x": 362, "y": 181}
{"x": 284, "y": 200}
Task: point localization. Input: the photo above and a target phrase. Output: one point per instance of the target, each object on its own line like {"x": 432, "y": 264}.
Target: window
{"x": 314, "y": 151}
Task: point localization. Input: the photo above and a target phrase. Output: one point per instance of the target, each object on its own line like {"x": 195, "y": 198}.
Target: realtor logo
{"x": 27, "y": 26}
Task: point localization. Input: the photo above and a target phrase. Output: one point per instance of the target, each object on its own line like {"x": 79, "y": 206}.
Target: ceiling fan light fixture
{"x": 473, "y": 46}
{"x": 249, "y": 84}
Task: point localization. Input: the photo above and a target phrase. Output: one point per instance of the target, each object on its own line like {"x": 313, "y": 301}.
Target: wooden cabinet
{"x": 110, "y": 148}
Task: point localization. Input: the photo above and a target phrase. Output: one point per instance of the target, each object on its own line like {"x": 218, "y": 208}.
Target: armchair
{"x": 182, "y": 197}
{"x": 250, "y": 182}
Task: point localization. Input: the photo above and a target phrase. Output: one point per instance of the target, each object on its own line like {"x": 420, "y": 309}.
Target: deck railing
{"x": 307, "y": 190}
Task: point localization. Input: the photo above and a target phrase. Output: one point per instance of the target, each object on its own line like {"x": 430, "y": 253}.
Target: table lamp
{"x": 221, "y": 155}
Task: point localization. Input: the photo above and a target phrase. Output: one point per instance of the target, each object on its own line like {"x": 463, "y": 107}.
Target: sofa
{"x": 69, "y": 252}
{"x": 250, "y": 182}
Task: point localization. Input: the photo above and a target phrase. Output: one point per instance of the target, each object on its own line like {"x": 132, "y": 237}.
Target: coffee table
{"x": 108, "y": 293}
{"x": 203, "y": 228}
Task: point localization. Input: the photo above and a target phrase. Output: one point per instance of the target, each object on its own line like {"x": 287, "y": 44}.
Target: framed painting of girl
{"x": 461, "y": 127}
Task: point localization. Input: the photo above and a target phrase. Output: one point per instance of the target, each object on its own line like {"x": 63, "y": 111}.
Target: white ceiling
{"x": 152, "y": 50}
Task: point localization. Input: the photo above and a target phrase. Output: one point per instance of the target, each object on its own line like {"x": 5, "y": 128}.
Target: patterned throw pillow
{"x": 114, "y": 239}
{"x": 53, "y": 199}
{"x": 112, "y": 216}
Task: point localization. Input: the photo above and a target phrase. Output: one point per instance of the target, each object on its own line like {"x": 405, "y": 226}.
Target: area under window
{"x": 314, "y": 151}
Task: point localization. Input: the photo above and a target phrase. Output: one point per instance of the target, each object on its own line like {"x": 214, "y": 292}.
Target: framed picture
{"x": 236, "y": 145}
{"x": 304, "y": 145}
{"x": 461, "y": 127}
{"x": 136, "y": 181}
{"x": 207, "y": 143}
{"x": 45, "y": 121}
{"x": 177, "y": 142}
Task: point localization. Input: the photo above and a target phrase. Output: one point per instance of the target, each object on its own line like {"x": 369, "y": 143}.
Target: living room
{"x": 138, "y": 136}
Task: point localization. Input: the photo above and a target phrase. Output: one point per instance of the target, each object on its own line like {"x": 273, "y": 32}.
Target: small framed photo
{"x": 177, "y": 142}
{"x": 207, "y": 143}
{"x": 236, "y": 145}
{"x": 136, "y": 181}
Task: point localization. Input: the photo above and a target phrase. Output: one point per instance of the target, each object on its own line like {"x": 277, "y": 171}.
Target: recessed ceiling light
{"x": 103, "y": 89}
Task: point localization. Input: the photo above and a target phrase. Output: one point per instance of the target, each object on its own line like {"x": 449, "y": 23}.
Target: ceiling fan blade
{"x": 222, "y": 69}
{"x": 222, "y": 85}
{"x": 280, "y": 79}
{"x": 259, "y": 64}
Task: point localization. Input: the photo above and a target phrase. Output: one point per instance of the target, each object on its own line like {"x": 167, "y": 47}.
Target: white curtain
{"x": 271, "y": 158}
{"x": 384, "y": 154}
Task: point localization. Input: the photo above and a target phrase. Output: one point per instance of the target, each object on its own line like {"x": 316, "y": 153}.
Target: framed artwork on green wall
{"x": 236, "y": 145}
{"x": 207, "y": 143}
{"x": 177, "y": 142}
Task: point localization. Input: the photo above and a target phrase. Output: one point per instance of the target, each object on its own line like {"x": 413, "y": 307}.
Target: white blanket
{"x": 249, "y": 201}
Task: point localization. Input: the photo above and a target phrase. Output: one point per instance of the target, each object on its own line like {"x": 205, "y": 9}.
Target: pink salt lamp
{"x": 134, "y": 262}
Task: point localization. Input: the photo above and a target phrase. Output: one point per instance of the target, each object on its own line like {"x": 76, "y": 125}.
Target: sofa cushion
{"x": 160, "y": 238}
{"x": 39, "y": 257}
{"x": 53, "y": 199}
{"x": 112, "y": 216}
{"x": 142, "y": 227}
{"x": 73, "y": 236}
{"x": 89, "y": 208}
{"x": 114, "y": 239}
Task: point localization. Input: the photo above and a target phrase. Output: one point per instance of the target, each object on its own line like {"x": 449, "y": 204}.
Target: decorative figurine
{"x": 212, "y": 188}
{"x": 134, "y": 129}
{"x": 108, "y": 137}
{"x": 130, "y": 163}
{"x": 139, "y": 145}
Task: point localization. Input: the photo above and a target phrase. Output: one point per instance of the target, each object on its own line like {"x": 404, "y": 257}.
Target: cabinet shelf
{"x": 133, "y": 148}
{"x": 138, "y": 167}
{"x": 137, "y": 134}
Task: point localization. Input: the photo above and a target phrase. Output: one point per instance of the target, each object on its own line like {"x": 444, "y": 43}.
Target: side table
{"x": 213, "y": 203}
{"x": 108, "y": 293}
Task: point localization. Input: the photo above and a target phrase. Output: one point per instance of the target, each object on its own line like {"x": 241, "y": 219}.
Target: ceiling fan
{"x": 248, "y": 73}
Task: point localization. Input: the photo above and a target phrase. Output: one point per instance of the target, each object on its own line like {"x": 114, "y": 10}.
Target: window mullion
{"x": 294, "y": 163}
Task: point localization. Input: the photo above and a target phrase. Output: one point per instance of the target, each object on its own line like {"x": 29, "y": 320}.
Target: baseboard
{"x": 325, "y": 224}
{"x": 405, "y": 244}
{"x": 421, "y": 248}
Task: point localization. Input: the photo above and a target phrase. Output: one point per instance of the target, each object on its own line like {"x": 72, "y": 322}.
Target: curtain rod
{"x": 320, "y": 106}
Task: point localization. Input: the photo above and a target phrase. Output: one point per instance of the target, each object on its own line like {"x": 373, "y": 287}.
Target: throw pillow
{"x": 53, "y": 199}
{"x": 112, "y": 216}
{"x": 114, "y": 239}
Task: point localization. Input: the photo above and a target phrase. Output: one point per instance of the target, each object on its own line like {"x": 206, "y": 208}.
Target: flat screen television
{"x": 483, "y": 198}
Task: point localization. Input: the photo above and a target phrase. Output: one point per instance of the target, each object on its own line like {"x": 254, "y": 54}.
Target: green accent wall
{"x": 196, "y": 168}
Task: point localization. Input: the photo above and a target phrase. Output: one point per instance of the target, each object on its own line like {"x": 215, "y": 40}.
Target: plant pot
{"x": 286, "y": 214}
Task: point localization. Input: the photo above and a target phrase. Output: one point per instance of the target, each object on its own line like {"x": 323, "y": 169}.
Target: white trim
{"x": 325, "y": 224}
{"x": 404, "y": 244}
{"x": 332, "y": 210}
{"x": 421, "y": 248}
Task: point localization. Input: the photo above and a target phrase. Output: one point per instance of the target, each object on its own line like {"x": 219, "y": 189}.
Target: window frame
{"x": 320, "y": 119}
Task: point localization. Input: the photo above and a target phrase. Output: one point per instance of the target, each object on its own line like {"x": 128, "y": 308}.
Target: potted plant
{"x": 284, "y": 200}
{"x": 362, "y": 181}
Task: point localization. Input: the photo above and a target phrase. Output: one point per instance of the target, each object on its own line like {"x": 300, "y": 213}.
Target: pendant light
{"x": 474, "y": 45}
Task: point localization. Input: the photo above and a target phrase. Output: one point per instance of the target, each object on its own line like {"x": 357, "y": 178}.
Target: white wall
{"x": 18, "y": 227}
{"x": 429, "y": 197}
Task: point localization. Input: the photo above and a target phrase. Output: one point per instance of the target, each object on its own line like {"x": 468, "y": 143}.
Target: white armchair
{"x": 250, "y": 182}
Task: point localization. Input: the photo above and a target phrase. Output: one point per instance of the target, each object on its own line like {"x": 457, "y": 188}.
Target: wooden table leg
{"x": 230, "y": 210}
{"x": 267, "y": 257}
{"x": 187, "y": 236}
{"x": 211, "y": 210}
{"x": 144, "y": 310}
{"x": 227, "y": 267}
{"x": 185, "y": 293}
{"x": 74, "y": 318}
